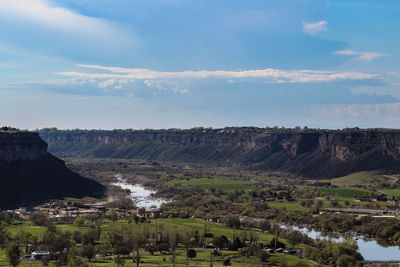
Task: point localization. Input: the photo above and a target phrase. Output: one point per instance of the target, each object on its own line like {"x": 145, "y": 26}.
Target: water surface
{"x": 139, "y": 194}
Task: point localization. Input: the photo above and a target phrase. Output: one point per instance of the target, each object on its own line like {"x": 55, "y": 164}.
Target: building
{"x": 148, "y": 213}
{"x": 39, "y": 255}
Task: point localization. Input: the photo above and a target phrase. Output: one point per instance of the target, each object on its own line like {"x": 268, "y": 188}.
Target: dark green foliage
{"x": 88, "y": 251}
{"x": 13, "y": 254}
{"x": 227, "y": 262}
{"x": 191, "y": 253}
{"x": 39, "y": 218}
{"x": 220, "y": 242}
{"x": 232, "y": 221}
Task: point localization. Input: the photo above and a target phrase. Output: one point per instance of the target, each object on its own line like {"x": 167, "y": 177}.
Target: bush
{"x": 263, "y": 256}
{"x": 227, "y": 262}
{"x": 191, "y": 253}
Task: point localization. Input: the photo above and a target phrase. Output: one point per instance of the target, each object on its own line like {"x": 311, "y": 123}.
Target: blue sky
{"x": 185, "y": 63}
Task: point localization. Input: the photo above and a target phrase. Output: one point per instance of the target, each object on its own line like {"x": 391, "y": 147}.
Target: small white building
{"x": 38, "y": 255}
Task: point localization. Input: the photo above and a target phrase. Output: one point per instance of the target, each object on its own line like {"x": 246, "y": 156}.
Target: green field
{"x": 360, "y": 178}
{"x": 289, "y": 206}
{"x": 227, "y": 185}
{"x": 185, "y": 225}
{"x": 391, "y": 192}
{"x": 341, "y": 192}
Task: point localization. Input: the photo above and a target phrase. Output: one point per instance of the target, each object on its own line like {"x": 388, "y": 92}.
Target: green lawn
{"x": 28, "y": 227}
{"x": 360, "y": 178}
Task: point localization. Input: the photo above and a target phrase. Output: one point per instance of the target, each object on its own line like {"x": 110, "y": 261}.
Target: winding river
{"x": 139, "y": 194}
{"x": 369, "y": 249}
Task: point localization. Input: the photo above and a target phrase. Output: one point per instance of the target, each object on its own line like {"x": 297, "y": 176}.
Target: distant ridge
{"x": 308, "y": 152}
{"x": 30, "y": 175}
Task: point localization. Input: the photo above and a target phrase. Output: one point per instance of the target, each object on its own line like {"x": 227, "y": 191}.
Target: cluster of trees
{"x": 340, "y": 254}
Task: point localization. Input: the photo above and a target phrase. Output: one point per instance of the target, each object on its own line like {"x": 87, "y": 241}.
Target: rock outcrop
{"x": 30, "y": 175}
{"x": 21, "y": 146}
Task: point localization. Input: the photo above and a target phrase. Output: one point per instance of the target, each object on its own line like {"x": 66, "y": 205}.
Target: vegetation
{"x": 223, "y": 216}
{"x": 176, "y": 240}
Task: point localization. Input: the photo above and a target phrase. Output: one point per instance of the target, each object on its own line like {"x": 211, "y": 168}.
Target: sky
{"x": 101, "y": 64}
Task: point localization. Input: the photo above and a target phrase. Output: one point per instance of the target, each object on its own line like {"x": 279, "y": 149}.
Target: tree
{"x": 172, "y": 244}
{"x": 77, "y": 236}
{"x": 74, "y": 260}
{"x": 103, "y": 249}
{"x": 3, "y": 235}
{"x": 13, "y": 255}
{"x": 345, "y": 260}
{"x": 191, "y": 253}
{"x": 138, "y": 240}
{"x": 113, "y": 216}
{"x": 79, "y": 221}
{"x": 23, "y": 238}
{"x": 220, "y": 242}
{"x": 263, "y": 256}
{"x": 88, "y": 252}
{"x": 294, "y": 238}
{"x": 39, "y": 218}
{"x": 232, "y": 221}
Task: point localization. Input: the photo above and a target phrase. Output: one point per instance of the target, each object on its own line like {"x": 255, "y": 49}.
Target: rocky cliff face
{"x": 30, "y": 175}
{"x": 21, "y": 146}
{"x": 311, "y": 153}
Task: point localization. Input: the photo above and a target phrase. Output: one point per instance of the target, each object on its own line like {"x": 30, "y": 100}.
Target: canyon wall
{"x": 309, "y": 152}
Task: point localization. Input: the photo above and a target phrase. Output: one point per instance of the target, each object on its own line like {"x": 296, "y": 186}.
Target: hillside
{"x": 29, "y": 174}
{"x": 307, "y": 152}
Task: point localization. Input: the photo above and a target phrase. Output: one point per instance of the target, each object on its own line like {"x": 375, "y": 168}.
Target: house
{"x": 209, "y": 245}
{"x": 39, "y": 255}
{"x": 148, "y": 213}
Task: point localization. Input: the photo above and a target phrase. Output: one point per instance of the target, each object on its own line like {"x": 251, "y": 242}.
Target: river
{"x": 139, "y": 194}
{"x": 369, "y": 249}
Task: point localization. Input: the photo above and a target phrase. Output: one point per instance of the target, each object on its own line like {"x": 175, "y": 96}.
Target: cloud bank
{"x": 265, "y": 75}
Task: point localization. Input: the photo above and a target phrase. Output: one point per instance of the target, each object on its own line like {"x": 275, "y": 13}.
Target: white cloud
{"x": 313, "y": 28}
{"x": 360, "y": 56}
{"x": 269, "y": 75}
{"x": 59, "y": 18}
{"x": 117, "y": 78}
